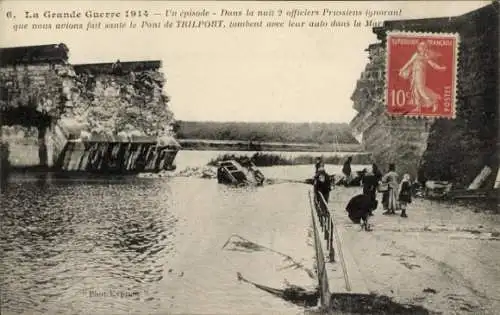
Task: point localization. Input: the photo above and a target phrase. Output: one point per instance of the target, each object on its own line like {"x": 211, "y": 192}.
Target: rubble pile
{"x": 128, "y": 105}
{"x": 107, "y": 97}
{"x": 390, "y": 139}
{"x": 207, "y": 172}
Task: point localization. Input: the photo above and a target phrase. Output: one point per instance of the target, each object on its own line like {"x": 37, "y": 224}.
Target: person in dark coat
{"x": 323, "y": 184}
{"x": 370, "y": 183}
{"x": 319, "y": 163}
{"x": 376, "y": 171}
{"x": 405, "y": 192}
{"x": 358, "y": 209}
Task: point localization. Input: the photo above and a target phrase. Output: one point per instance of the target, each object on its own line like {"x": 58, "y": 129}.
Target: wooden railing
{"x": 321, "y": 210}
{"x": 326, "y": 222}
{"x": 325, "y": 294}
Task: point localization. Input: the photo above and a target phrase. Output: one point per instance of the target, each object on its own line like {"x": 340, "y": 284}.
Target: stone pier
{"x": 49, "y": 105}
{"x": 439, "y": 149}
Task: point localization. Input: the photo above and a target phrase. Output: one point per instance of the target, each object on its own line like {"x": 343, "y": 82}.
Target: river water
{"x": 190, "y": 158}
{"x": 153, "y": 246}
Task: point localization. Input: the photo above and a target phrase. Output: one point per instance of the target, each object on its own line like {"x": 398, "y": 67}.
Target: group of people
{"x": 395, "y": 194}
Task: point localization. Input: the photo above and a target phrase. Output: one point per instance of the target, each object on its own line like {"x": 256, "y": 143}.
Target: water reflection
{"x": 143, "y": 246}
{"x": 63, "y": 239}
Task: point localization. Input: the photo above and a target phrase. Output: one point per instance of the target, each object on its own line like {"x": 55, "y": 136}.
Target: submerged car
{"x": 230, "y": 172}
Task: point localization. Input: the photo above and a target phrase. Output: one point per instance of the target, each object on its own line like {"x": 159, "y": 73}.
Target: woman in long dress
{"x": 415, "y": 69}
{"x": 389, "y": 199}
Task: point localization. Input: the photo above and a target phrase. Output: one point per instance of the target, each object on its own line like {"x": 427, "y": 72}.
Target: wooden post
{"x": 49, "y": 144}
{"x": 480, "y": 178}
{"x": 330, "y": 245}
{"x": 497, "y": 180}
{"x": 42, "y": 146}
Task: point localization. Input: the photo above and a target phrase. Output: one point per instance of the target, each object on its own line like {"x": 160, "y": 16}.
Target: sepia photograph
{"x": 249, "y": 157}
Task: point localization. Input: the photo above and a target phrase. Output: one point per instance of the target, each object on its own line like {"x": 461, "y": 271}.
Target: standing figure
{"x": 370, "y": 182}
{"x": 416, "y": 70}
{"x": 318, "y": 165}
{"x": 347, "y": 171}
{"x": 376, "y": 172}
{"x": 322, "y": 184}
{"x": 405, "y": 192}
{"x": 389, "y": 198}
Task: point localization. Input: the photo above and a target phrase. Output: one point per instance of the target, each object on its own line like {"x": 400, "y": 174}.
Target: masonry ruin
{"x": 100, "y": 117}
{"x": 451, "y": 150}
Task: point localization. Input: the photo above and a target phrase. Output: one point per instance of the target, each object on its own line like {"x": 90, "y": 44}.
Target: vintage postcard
{"x": 249, "y": 157}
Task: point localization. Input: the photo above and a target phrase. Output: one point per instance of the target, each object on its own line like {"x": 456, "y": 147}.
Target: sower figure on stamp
{"x": 415, "y": 68}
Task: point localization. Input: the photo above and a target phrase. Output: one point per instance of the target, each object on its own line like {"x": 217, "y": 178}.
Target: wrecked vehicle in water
{"x": 230, "y": 172}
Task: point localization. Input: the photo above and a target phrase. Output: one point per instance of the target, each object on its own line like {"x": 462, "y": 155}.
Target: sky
{"x": 294, "y": 75}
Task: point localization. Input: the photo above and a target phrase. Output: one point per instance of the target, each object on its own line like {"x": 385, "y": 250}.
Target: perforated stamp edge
{"x": 456, "y": 36}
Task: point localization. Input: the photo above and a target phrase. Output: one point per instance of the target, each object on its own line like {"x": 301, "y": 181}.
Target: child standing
{"x": 404, "y": 194}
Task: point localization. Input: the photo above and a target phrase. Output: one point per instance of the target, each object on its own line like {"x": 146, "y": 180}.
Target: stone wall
{"x": 126, "y": 100}
{"x": 22, "y": 144}
{"x": 95, "y": 102}
{"x": 454, "y": 150}
{"x": 390, "y": 139}
{"x": 459, "y": 149}
{"x": 33, "y": 88}
{"x": 31, "y": 99}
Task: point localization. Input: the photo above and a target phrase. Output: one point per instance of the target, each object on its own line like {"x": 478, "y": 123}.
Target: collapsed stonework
{"x": 454, "y": 150}
{"x": 390, "y": 139}
{"x": 104, "y": 102}
{"x": 120, "y": 97}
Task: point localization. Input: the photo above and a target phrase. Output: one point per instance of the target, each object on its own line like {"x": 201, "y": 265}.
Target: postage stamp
{"x": 421, "y": 74}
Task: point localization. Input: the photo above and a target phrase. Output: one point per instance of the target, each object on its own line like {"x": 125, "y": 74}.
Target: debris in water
{"x": 372, "y": 304}
{"x": 409, "y": 266}
{"x": 244, "y": 245}
{"x": 292, "y": 293}
{"x": 430, "y": 290}
{"x": 249, "y": 246}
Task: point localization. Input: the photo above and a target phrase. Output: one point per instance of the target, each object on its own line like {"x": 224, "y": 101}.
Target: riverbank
{"x": 271, "y": 159}
{"x": 170, "y": 245}
{"x": 242, "y": 145}
{"x": 442, "y": 259}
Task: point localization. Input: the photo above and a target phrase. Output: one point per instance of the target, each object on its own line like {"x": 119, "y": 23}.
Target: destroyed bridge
{"x": 104, "y": 115}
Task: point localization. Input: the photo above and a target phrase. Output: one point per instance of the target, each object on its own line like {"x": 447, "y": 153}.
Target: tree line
{"x": 266, "y": 131}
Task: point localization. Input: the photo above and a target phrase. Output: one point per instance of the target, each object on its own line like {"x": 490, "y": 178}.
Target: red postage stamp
{"x": 421, "y": 74}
